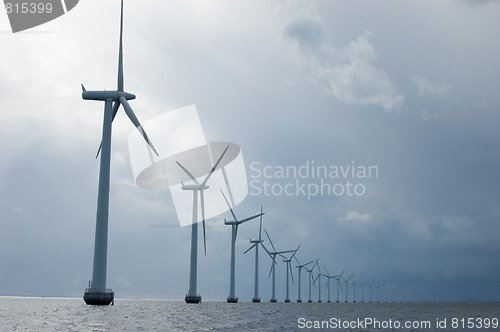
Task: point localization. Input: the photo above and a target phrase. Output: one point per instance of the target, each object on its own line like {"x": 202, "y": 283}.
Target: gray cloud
{"x": 347, "y": 73}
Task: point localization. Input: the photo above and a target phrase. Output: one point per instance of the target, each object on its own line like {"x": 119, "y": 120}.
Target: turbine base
{"x": 232, "y": 299}
{"x": 328, "y": 301}
{"x": 273, "y": 300}
{"x": 309, "y": 301}
{"x": 299, "y": 300}
{"x": 96, "y": 297}
{"x": 256, "y": 300}
{"x": 287, "y": 300}
{"x": 192, "y": 298}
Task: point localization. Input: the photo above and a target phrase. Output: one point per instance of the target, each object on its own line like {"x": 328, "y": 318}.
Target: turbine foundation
{"x": 95, "y": 297}
{"x": 256, "y": 300}
{"x": 232, "y": 299}
{"x": 193, "y": 298}
{"x": 299, "y": 300}
{"x": 273, "y": 300}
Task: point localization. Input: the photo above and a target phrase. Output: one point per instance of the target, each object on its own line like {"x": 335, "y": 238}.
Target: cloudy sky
{"x": 407, "y": 87}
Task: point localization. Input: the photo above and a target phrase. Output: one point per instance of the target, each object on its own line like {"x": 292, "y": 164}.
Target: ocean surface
{"x": 63, "y": 314}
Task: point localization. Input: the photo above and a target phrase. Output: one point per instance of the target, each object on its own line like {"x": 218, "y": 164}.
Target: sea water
{"x": 63, "y": 314}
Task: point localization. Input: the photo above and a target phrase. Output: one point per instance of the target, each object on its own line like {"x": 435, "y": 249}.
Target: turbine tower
{"x": 97, "y": 293}
{"x": 192, "y": 296}
{"x": 288, "y": 268}
{"x": 234, "y": 232}
{"x": 300, "y": 266}
{"x": 273, "y": 254}
{"x": 255, "y": 244}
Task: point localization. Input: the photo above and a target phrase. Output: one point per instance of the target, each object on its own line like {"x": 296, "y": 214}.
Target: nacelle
{"x": 106, "y": 95}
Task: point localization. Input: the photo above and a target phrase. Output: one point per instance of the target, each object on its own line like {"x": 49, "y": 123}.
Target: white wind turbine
{"x": 234, "y": 232}
{"x": 354, "y": 287}
{"x": 300, "y": 266}
{"x": 255, "y": 244}
{"x": 378, "y": 293}
{"x": 273, "y": 254}
{"x": 362, "y": 286}
{"x": 370, "y": 287}
{"x": 288, "y": 268}
{"x": 192, "y": 296}
{"x": 97, "y": 293}
{"x": 310, "y": 271}
{"x": 328, "y": 282}
{"x": 318, "y": 277}
{"x": 347, "y": 286}
{"x": 337, "y": 278}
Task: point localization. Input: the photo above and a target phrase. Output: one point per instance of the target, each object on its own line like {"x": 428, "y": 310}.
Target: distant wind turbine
{"x": 327, "y": 275}
{"x": 97, "y": 293}
{"x": 300, "y": 266}
{"x": 288, "y": 268}
{"x": 234, "y": 232}
{"x": 255, "y": 244}
{"x": 354, "y": 287}
{"x": 318, "y": 277}
{"x": 192, "y": 296}
{"x": 347, "y": 286}
{"x": 337, "y": 278}
{"x": 273, "y": 254}
{"x": 310, "y": 271}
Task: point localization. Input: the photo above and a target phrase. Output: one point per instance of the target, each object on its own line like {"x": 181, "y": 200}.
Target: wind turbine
{"x": 328, "y": 283}
{"x": 234, "y": 232}
{"x": 192, "y": 296}
{"x": 347, "y": 286}
{"x": 288, "y": 268}
{"x": 337, "y": 278}
{"x": 310, "y": 271}
{"x": 378, "y": 293}
{"x": 354, "y": 288}
{"x": 255, "y": 244}
{"x": 273, "y": 254}
{"x": 97, "y": 293}
{"x": 362, "y": 286}
{"x": 318, "y": 277}
{"x": 370, "y": 287}
{"x": 300, "y": 266}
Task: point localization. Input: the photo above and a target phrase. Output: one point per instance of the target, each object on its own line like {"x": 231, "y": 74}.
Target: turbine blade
{"x": 120, "y": 54}
{"x": 202, "y": 202}
{"x": 235, "y": 231}
{"x": 326, "y": 271}
{"x": 249, "y": 218}
{"x": 268, "y": 252}
{"x": 308, "y": 263}
{"x": 215, "y": 166}
{"x": 83, "y": 88}
{"x": 291, "y": 272}
{"x": 249, "y": 248}
{"x": 136, "y": 122}
{"x": 270, "y": 240}
{"x": 229, "y": 206}
{"x": 188, "y": 173}
{"x": 116, "y": 106}
{"x": 295, "y": 251}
